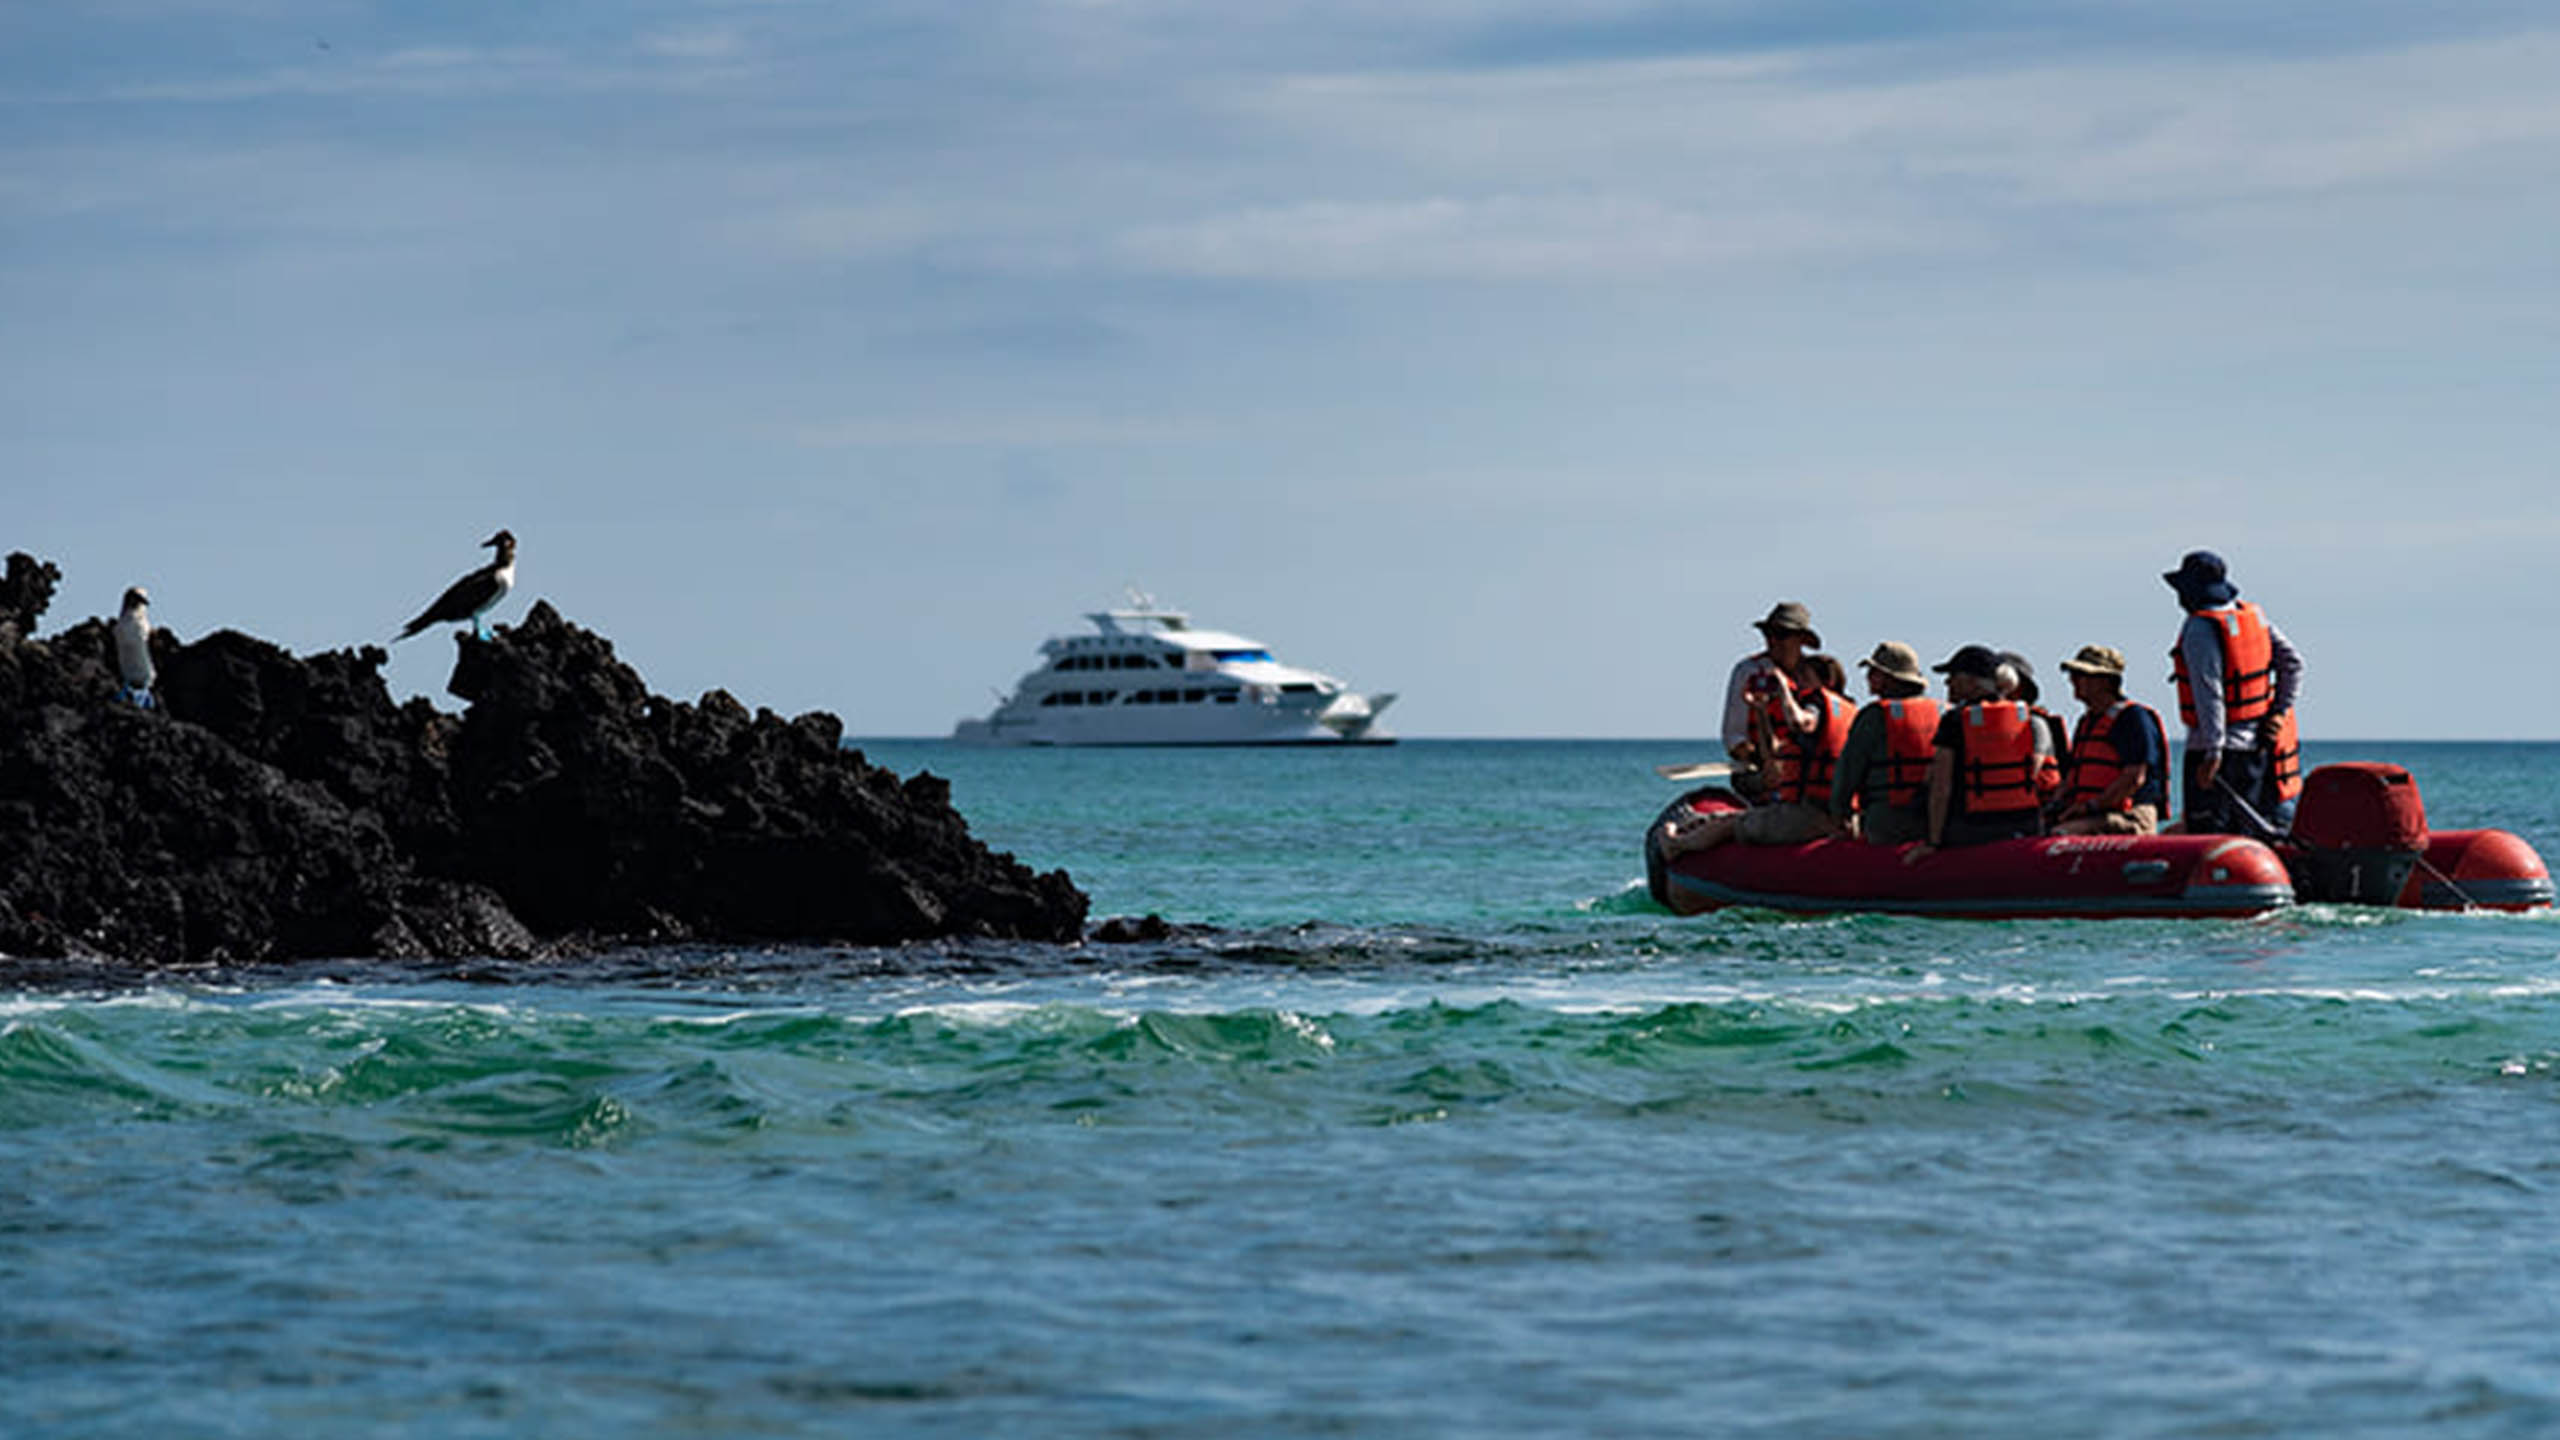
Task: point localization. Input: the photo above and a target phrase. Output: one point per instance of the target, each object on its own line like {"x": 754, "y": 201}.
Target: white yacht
{"x": 1146, "y": 677}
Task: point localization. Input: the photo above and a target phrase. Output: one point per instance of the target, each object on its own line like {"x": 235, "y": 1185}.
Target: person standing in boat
{"x": 2117, "y": 781}
{"x": 2237, "y": 679}
{"x": 1883, "y": 774}
{"x": 1982, "y": 770}
{"x": 1786, "y": 635}
{"x": 1798, "y": 724}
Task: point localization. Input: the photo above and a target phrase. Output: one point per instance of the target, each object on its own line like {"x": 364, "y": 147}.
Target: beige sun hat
{"x": 1900, "y": 661}
{"x": 2097, "y": 660}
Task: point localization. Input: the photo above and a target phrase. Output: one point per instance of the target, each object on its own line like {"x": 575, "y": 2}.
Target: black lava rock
{"x": 281, "y": 807}
{"x": 1131, "y": 930}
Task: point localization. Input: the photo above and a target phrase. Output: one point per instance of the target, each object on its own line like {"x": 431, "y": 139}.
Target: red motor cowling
{"x": 2359, "y": 831}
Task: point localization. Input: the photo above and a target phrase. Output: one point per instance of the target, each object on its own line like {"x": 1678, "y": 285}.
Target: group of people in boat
{"x": 1990, "y": 762}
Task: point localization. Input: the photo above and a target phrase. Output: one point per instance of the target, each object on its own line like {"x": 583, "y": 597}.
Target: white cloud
{"x": 1510, "y": 237}
{"x": 663, "y": 63}
{"x": 2232, "y": 130}
{"x": 440, "y": 71}
{"x": 834, "y": 231}
{"x": 697, "y": 42}
{"x": 1595, "y": 170}
{"x": 996, "y": 431}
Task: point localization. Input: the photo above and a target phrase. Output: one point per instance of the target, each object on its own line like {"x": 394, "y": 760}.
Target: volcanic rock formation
{"x": 281, "y": 807}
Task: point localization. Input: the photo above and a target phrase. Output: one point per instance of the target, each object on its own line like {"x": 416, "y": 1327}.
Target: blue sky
{"x": 1512, "y": 357}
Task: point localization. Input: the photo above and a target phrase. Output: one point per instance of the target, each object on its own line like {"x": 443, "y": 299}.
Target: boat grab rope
{"x": 2458, "y": 892}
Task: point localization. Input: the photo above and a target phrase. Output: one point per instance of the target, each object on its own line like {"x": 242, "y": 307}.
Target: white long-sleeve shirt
{"x": 1737, "y": 700}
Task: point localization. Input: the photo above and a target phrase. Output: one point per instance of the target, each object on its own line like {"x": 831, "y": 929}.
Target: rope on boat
{"x": 2458, "y": 892}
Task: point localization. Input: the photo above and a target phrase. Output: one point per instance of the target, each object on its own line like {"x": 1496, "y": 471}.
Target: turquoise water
{"x": 1424, "y": 1123}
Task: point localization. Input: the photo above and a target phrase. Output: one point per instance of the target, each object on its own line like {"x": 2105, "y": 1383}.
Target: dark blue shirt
{"x": 2137, "y": 740}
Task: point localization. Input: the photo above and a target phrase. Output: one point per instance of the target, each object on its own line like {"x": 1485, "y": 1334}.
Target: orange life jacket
{"x": 1996, "y": 758}
{"x": 2095, "y": 763}
{"x": 2285, "y": 741}
{"x": 2049, "y": 764}
{"x": 1910, "y": 740}
{"x": 2248, "y": 666}
{"x": 1800, "y": 770}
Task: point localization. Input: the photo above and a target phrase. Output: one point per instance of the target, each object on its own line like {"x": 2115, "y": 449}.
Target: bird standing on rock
{"x": 133, "y": 648}
{"x": 475, "y": 594}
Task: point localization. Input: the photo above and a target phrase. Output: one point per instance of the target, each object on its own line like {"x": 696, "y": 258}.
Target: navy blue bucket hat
{"x": 1980, "y": 661}
{"x": 2201, "y": 581}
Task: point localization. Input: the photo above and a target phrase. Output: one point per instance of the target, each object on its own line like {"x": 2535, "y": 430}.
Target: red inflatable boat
{"x": 2360, "y": 836}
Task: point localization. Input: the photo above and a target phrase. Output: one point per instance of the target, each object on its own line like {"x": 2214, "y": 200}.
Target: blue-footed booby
{"x": 133, "y": 648}
{"x": 474, "y": 594}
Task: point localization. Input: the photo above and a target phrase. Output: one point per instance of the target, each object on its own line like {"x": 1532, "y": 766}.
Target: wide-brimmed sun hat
{"x": 2202, "y": 580}
{"x": 2097, "y": 660}
{"x": 1897, "y": 660}
{"x": 1788, "y": 617}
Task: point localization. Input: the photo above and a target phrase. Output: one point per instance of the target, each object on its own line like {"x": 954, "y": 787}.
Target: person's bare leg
{"x": 1699, "y": 832}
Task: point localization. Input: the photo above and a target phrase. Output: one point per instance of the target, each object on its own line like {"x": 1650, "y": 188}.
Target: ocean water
{"x": 1424, "y": 1122}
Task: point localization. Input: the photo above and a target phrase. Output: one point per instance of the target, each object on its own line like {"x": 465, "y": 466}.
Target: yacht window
{"x": 1100, "y": 697}
{"x": 1070, "y": 697}
{"x": 1195, "y": 697}
{"x": 1298, "y": 687}
{"x": 1048, "y": 700}
{"x": 1225, "y": 697}
{"x": 1242, "y": 655}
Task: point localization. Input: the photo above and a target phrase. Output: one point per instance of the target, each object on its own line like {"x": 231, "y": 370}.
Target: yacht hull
{"x": 1099, "y": 731}
{"x": 1147, "y": 677}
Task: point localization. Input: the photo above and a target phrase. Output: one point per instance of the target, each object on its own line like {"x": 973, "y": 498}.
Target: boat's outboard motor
{"x": 2360, "y": 830}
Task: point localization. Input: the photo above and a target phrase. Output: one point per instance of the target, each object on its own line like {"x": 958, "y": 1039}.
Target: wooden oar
{"x": 1711, "y": 770}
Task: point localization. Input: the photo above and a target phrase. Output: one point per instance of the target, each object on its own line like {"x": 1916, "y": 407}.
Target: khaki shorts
{"x": 1789, "y": 822}
{"x": 2140, "y": 820}
{"x": 1893, "y": 825}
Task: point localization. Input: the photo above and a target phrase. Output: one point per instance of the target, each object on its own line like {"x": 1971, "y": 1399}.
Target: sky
{"x": 1511, "y": 357}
